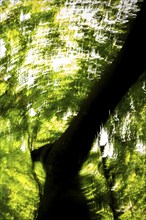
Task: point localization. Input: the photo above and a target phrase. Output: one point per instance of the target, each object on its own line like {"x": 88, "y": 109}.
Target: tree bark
{"x": 63, "y": 161}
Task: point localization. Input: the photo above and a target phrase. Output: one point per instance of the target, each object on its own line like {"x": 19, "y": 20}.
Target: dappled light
{"x": 51, "y": 55}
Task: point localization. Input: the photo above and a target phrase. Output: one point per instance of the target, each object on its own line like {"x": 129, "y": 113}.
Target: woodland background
{"x": 51, "y": 53}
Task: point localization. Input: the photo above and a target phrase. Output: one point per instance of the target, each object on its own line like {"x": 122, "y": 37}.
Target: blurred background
{"x": 51, "y": 53}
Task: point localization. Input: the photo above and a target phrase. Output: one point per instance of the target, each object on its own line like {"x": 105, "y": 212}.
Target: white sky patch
{"x": 87, "y": 15}
{"x": 141, "y": 148}
{"x": 124, "y": 129}
{"x": 7, "y": 77}
{"x": 67, "y": 114}
{"x": 23, "y": 146}
{"x": 31, "y": 80}
{"x": 67, "y": 63}
{"x": 13, "y": 2}
{"x": 64, "y": 13}
{"x": 104, "y": 141}
{"x": 101, "y": 140}
{"x": 32, "y": 112}
{"x": 24, "y": 17}
{"x": 2, "y": 48}
{"x": 109, "y": 150}
{"x": 103, "y": 137}
{"x": 60, "y": 61}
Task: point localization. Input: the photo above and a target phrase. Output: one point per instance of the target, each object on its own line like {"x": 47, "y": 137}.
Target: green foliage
{"x": 51, "y": 52}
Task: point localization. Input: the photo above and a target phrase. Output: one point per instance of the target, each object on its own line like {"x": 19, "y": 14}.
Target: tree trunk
{"x": 62, "y": 198}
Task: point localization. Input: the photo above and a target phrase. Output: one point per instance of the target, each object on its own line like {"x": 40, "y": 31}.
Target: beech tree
{"x": 63, "y": 159}
{"x": 52, "y": 55}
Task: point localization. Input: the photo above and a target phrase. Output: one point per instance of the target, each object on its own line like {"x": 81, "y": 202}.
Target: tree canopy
{"x": 51, "y": 53}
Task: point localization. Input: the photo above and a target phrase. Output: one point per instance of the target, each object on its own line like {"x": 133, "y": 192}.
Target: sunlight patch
{"x": 2, "y": 48}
